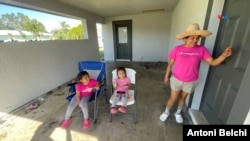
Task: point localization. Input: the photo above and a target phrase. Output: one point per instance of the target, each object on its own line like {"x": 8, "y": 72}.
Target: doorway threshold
{"x": 197, "y": 117}
{"x": 122, "y": 60}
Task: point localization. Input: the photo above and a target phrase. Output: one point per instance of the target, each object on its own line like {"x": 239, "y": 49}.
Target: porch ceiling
{"x": 109, "y": 8}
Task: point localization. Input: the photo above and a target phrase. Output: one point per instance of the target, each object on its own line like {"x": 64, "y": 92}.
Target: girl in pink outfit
{"x": 184, "y": 63}
{"x": 84, "y": 90}
{"x": 121, "y": 86}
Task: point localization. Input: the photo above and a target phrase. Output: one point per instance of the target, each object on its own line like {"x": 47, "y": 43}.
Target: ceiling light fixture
{"x": 153, "y": 10}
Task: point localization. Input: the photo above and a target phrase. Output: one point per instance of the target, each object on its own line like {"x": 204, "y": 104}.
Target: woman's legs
{"x": 170, "y": 102}
{"x": 179, "y": 90}
{"x": 182, "y": 100}
{"x": 173, "y": 97}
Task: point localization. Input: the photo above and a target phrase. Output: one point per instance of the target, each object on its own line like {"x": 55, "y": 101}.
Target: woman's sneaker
{"x": 178, "y": 118}
{"x": 86, "y": 124}
{"x": 164, "y": 116}
{"x": 122, "y": 109}
{"x": 66, "y": 123}
{"x": 113, "y": 110}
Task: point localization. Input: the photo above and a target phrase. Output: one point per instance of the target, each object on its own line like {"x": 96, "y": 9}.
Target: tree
{"x": 62, "y": 33}
{"x": 21, "y": 22}
{"x": 76, "y": 32}
{"x": 13, "y": 22}
{"x": 34, "y": 27}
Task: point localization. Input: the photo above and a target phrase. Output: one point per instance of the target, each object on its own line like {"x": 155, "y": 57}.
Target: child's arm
{"x": 97, "y": 87}
{"x": 78, "y": 97}
{"x": 127, "y": 86}
{"x": 114, "y": 84}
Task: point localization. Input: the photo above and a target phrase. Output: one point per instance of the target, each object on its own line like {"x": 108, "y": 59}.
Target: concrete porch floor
{"x": 43, "y": 123}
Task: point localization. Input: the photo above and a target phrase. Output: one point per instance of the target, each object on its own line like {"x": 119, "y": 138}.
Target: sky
{"x": 50, "y": 21}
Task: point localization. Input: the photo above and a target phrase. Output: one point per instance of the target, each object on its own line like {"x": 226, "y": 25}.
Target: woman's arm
{"x": 168, "y": 70}
{"x": 215, "y": 62}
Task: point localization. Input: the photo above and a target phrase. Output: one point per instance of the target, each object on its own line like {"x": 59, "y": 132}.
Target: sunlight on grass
{"x": 101, "y": 52}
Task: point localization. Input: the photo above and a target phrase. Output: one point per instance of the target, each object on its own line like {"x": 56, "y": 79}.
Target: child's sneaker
{"x": 86, "y": 124}
{"x": 178, "y": 118}
{"x": 122, "y": 109}
{"x": 164, "y": 116}
{"x": 66, "y": 123}
{"x": 113, "y": 110}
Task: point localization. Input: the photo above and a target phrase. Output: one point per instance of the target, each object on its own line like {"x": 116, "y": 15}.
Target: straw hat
{"x": 193, "y": 29}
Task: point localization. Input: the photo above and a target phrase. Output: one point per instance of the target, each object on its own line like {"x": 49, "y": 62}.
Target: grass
{"x": 101, "y": 52}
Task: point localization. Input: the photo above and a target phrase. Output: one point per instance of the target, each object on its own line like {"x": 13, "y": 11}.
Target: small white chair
{"x": 131, "y": 74}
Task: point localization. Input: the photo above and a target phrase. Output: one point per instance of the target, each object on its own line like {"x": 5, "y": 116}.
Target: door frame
{"x": 209, "y": 42}
{"x": 115, "y": 36}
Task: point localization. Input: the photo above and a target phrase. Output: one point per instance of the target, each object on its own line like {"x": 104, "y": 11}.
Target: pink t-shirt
{"x": 86, "y": 90}
{"x": 187, "y": 60}
{"x": 121, "y": 83}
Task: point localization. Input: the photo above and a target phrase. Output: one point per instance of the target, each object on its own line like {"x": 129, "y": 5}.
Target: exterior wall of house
{"x": 185, "y": 12}
{"x": 149, "y": 32}
{"x": 31, "y": 69}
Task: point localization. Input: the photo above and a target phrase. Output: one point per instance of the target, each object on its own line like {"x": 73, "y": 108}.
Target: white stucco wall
{"x": 150, "y": 36}
{"x": 185, "y": 12}
{"x": 31, "y": 69}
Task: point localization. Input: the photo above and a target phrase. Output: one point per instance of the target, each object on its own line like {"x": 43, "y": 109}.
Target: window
{"x": 21, "y": 25}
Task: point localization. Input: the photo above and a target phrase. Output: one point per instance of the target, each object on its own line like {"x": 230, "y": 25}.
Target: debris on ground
{"x": 32, "y": 106}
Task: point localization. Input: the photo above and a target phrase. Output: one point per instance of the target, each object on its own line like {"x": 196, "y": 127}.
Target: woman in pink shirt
{"x": 121, "y": 86}
{"x": 184, "y": 66}
{"x": 84, "y": 90}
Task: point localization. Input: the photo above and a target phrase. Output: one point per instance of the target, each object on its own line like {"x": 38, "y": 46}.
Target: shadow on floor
{"x": 43, "y": 123}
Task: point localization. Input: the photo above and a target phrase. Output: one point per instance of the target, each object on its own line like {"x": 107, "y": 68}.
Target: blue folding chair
{"x": 96, "y": 70}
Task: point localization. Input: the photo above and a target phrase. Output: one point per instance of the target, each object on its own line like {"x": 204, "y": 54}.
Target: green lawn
{"x": 101, "y": 52}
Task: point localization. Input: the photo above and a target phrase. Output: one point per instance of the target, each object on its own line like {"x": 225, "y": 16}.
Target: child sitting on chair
{"x": 121, "y": 86}
{"x": 84, "y": 90}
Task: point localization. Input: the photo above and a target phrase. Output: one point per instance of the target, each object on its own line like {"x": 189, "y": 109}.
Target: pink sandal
{"x": 32, "y": 106}
{"x": 113, "y": 110}
{"x": 122, "y": 109}
{"x": 86, "y": 124}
